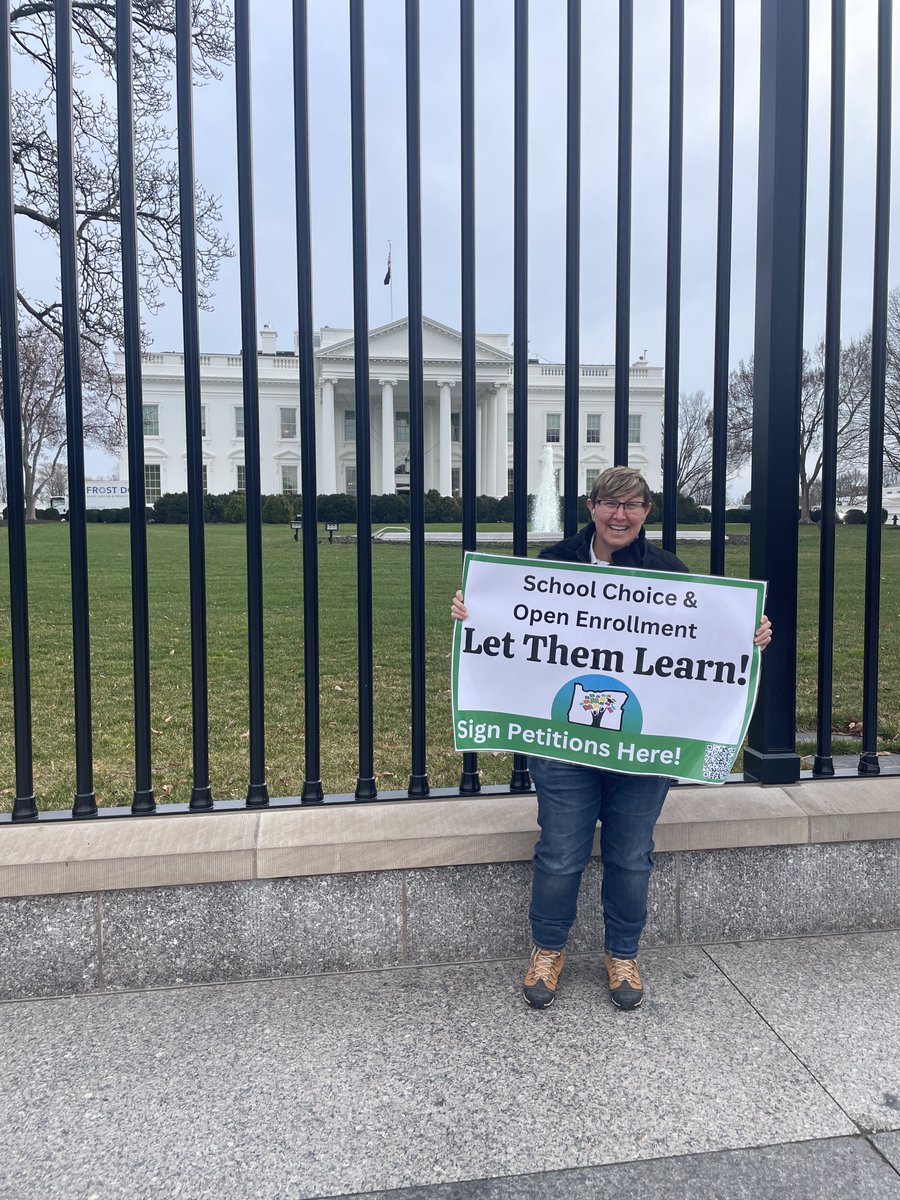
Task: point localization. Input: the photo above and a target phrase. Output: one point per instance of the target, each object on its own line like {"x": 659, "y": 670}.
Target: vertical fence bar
{"x": 571, "y": 489}
{"x": 312, "y": 792}
{"x": 868, "y": 761}
{"x": 143, "y": 800}
{"x": 771, "y": 755}
{"x": 24, "y": 806}
{"x": 623, "y": 234}
{"x": 520, "y": 780}
{"x": 673, "y": 275}
{"x": 257, "y": 791}
{"x": 520, "y": 285}
{"x": 365, "y": 783}
{"x": 85, "y": 804}
{"x": 418, "y": 779}
{"x": 823, "y": 763}
{"x": 723, "y": 288}
{"x": 470, "y": 781}
{"x": 201, "y": 793}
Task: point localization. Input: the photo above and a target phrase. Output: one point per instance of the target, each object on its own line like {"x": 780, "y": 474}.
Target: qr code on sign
{"x": 716, "y": 761}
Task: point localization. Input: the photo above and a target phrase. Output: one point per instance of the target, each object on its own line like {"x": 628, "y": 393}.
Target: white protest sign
{"x": 643, "y": 672}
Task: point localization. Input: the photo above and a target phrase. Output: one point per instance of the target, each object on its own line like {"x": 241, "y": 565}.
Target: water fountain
{"x": 545, "y": 507}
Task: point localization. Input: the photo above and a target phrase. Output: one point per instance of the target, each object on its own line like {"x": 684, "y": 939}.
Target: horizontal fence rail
{"x": 490, "y": 423}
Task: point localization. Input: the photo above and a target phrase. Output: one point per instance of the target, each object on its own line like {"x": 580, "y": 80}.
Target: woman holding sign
{"x": 573, "y": 798}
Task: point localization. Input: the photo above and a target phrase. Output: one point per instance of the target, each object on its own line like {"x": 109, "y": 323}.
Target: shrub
{"x": 441, "y": 509}
{"x": 336, "y": 508}
{"x": 111, "y": 516}
{"x": 234, "y": 510}
{"x": 854, "y": 516}
{"x": 505, "y": 508}
{"x": 738, "y": 516}
{"x": 277, "y": 510}
{"x": 213, "y": 507}
{"x": 687, "y": 510}
{"x": 46, "y": 514}
{"x": 171, "y": 509}
{"x": 487, "y": 509}
{"x": 392, "y": 508}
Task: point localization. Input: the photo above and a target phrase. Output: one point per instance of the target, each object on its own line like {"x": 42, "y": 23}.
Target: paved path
{"x": 756, "y": 1070}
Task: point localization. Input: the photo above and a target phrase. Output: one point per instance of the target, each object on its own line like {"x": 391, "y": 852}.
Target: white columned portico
{"x": 501, "y": 468}
{"x": 328, "y": 485}
{"x": 429, "y": 425}
{"x": 388, "y": 479}
{"x": 489, "y": 457}
{"x": 480, "y": 446}
{"x": 445, "y": 483}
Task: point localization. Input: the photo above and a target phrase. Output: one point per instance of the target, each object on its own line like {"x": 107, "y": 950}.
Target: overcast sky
{"x": 330, "y": 117}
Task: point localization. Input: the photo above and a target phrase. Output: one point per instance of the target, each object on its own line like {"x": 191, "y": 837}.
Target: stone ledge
{"x": 141, "y": 852}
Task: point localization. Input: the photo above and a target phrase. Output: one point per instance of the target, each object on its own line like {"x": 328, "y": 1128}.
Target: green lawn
{"x": 51, "y": 652}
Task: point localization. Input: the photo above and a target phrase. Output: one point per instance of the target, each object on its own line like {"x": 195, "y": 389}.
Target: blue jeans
{"x": 571, "y": 800}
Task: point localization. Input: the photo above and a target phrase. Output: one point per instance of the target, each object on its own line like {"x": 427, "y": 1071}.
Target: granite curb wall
{"x": 156, "y": 902}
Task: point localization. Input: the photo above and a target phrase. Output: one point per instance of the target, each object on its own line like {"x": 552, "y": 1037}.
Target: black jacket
{"x": 639, "y": 553}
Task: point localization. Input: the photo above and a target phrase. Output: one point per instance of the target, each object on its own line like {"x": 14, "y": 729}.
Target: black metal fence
{"x": 771, "y": 755}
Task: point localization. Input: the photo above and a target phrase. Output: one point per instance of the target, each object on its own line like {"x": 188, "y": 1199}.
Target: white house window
{"x": 203, "y": 420}
{"x": 289, "y": 481}
{"x": 241, "y": 477}
{"x": 152, "y": 482}
{"x": 205, "y": 471}
{"x": 350, "y": 476}
{"x": 553, "y": 427}
{"x": 401, "y": 426}
{"x": 589, "y": 476}
{"x": 454, "y": 480}
{"x": 287, "y": 419}
{"x": 509, "y": 426}
{"x": 350, "y": 433}
{"x": 151, "y": 420}
{"x": 509, "y": 480}
{"x": 239, "y": 421}
{"x": 455, "y": 426}
{"x": 634, "y": 429}
{"x": 592, "y": 431}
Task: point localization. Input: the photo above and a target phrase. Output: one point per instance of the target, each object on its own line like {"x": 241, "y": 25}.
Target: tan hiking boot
{"x": 539, "y": 986}
{"x": 625, "y": 985}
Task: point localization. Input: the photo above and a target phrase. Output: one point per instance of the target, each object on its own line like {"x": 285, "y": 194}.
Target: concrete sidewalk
{"x": 759, "y": 1070}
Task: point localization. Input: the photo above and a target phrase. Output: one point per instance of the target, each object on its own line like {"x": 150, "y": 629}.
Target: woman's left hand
{"x": 763, "y": 634}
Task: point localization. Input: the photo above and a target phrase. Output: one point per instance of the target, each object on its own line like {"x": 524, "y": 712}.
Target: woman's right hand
{"x": 458, "y": 610}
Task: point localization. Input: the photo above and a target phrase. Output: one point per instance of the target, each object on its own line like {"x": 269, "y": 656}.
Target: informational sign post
{"x": 643, "y": 672}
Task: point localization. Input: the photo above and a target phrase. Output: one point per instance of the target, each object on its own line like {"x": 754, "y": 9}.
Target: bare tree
{"x": 853, "y": 401}
{"x": 695, "y": 446}
{"x": 42, "y": 395}
{"x": 57, "y": 481}
{"x": 96, "y": 153}
{"x": 892, "y": 385}
{"x": 853, "y": 485}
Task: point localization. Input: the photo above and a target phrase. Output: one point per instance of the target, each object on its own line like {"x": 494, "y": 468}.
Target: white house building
{"x": 222, "y": 415}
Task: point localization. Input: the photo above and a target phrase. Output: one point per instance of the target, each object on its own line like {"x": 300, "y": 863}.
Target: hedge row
{"x": 336, "y": 509}
{"x": 231, "y": 508}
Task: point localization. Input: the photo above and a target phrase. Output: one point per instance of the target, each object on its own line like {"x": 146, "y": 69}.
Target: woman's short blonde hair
{"x": 615, "y": 483}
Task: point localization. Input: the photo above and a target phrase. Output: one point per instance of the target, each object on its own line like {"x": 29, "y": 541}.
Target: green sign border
{"x": 690, "y": 747}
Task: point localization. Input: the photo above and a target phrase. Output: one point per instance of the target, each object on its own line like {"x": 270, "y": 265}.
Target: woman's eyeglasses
{"x": 613, "y": 506}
